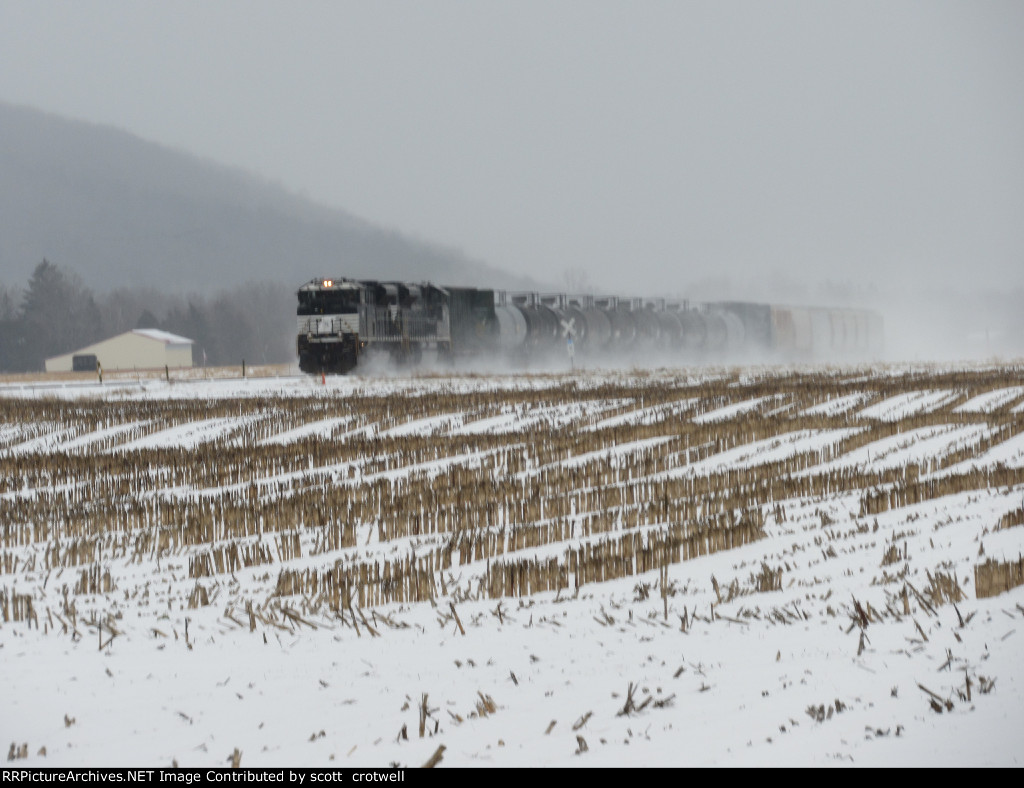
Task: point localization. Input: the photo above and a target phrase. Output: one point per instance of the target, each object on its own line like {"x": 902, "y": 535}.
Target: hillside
{"x": 122, "y": 211}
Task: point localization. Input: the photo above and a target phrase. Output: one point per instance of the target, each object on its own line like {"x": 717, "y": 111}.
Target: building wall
{"x": 178, "y": 355}
{"x": 128, "y": 351}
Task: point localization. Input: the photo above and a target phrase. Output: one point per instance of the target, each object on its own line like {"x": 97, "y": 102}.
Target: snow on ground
{"x": 74, "y": 439}
{"x": 505, "y": 422}
{"x": 730, "y": 411}
{"x": 191, "y": 434}
{"x": 1009, "y": 453}
{"x": 518, "y": 418}
{"x": 48, "y": 441}
{"x": 903, "y": 405}
{"x": 322, "y": 427}
{"x": 836, "y": 406}
{"x": 620, "y": 450}
{"x": 693, "y": 665}
{"x": 9, "y": 433}
{"x": 648, "y": 415}
{"x": 766, "y": 451}
{"x": 105, "y": 434}
{"x": 991, "y": 400}
{"x": 913, "y": 447}
{"x": 426, "y": 426}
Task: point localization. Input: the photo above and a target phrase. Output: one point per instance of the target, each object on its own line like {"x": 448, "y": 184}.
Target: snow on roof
{"x": 163, "y": 336}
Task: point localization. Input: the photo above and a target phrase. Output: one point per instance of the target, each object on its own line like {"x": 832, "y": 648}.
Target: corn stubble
{"x": 360, "y": 518}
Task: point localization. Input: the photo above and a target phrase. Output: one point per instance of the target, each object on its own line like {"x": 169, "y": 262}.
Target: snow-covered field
{"x": 760, "y": 566}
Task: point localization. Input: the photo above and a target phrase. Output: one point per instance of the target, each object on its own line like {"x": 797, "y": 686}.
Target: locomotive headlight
{"x": 328, "y": 283}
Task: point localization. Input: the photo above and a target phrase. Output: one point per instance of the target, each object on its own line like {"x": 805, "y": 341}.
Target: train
{"x": 342, "y": 322}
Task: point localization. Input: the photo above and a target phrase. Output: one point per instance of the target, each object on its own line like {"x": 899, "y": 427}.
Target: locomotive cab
{"x": 328, "y": 325}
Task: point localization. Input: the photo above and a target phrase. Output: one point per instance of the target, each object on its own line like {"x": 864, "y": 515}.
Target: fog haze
{"x": 658, "y": 147}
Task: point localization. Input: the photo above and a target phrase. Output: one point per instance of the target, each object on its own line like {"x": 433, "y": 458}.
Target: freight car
{"x": 343, "y": 320}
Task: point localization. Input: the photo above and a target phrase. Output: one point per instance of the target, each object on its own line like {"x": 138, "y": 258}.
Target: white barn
{"x": 143, "y": 348}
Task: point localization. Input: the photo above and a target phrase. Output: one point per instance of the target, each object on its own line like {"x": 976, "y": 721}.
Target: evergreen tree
{"x": 9, "y": 330}
{"x": 8, "y": 311}
{"x": 193, "y": 324}
{"x": 58, "y": 315}
{"x": 147, "y": 320}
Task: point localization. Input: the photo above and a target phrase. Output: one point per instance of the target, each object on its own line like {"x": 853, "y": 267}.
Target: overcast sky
{"x": 653, "y": 144}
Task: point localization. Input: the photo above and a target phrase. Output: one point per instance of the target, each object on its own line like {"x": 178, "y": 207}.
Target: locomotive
{"x": 343, "y": 320}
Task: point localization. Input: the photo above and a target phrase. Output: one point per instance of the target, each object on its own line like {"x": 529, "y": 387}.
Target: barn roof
{"x": 163, "y": 336}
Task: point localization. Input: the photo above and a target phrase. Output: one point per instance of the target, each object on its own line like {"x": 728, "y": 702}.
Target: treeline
{"x": 55, "y": 313}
